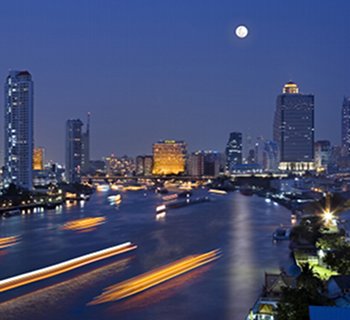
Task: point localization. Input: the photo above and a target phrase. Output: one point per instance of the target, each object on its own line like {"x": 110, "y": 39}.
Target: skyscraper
{"x": 73, "y": 150}
{"x": 18, "y": 136}
{"x": 345, "y": 128}
{"x": 85, "y": 136}
{"x": 294, "y": 129}
{"x": 233, "y": 151}
{"x": 169, "y": 157}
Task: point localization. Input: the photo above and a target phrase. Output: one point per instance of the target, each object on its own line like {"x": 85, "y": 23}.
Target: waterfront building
{"x": 148, "y": 165}
{"x": 322, "y": 154}
{"x": 38, "y": 158}
{"x": 169, "y": 157}
{"x": 270, "y": 156}
{"x": 204, "y": 163}
{"x": 144, "y": 165}
{"x": 251, "y": 157}
{"x": 294, "y": 129}
{"x": 51, "y": 174}
{"x": 97, "y": 167}
{"x": 111, "y": 163}
{"x": 123, "y": 166}
{"x": 19, "y": 137}
{"x": 73, "y": 150}
{"x": 259, "y": 151}
{"x": 85, "y": 146}
{"x": 234, "y": 151}
{"x": 139, "y": 163}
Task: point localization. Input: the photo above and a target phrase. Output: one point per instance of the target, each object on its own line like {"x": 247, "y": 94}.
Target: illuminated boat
{"x": 217, "y": 191}
{"x": 102, "y": 187}
{"x": 11, "y": 213}
{"x": 155, "y": 277}
{"x": 84, "y": 223}
{"x": 8, "y": 242}
{"x": 62, "y": 267}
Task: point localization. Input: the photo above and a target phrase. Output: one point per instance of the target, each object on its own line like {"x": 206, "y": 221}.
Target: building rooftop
{"x": 329, "y": 313}
{"x": 343, "y": 281}
{"x": 291, "y": 88}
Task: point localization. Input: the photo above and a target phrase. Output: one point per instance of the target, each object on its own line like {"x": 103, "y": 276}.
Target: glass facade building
{"x": 73, "y": 150}
{"x": 19, "y": 138}
{"x": 233, "y": 151}
{"x": 294, "y": 129}
{"x": 345, "y": 128}
{"x": 85, "y": 160}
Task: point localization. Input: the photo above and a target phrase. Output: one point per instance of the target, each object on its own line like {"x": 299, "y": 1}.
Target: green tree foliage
{"x": 331, "y": 241}
{"x": 295, "y": 302}
{"x": 308, "y": 231}
{"x": 339, "y": 259}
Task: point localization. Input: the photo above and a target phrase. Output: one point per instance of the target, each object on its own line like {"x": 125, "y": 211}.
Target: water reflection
{"x": 160, "y": 293}
{"x": 155, "y": 277}
{"x": 241, "y": 225}
{"x": 242, "y": 261}
{"x": 59, "y": 297}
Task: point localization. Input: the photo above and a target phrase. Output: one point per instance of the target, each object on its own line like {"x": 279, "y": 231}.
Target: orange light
{"x": 8, "y": 242}
{"x": 150, "y": 279}
{"x": 83, "y": 224}
{"x": 59, "y": 268}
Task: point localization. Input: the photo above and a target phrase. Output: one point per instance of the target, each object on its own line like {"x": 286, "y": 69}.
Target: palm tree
{"x": 309, "y": 279}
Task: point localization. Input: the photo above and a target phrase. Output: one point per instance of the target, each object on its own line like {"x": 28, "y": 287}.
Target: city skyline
{"x": 184, "y": 81}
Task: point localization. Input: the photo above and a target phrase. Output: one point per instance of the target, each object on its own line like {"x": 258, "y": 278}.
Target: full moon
{"x": 241, "y": 32}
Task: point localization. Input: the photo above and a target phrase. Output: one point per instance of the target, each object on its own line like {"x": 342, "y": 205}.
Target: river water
{"x": 241, "y": 226}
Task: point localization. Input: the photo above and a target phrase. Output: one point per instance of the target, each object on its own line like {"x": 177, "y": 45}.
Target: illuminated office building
{"x": 204, "y": 163}
{"x": 270, "y": 156}
{"x": 294, "y": 129}
{"x": 19, "y": 138}
{"x": 234, "y": 151}
{"x": 144, "y": 165}
{"x": 322, "y": 154}
{"x": 85, "y": 146}
{"x": 169, "y": 157}
{"x": 345, "y": 127}
{"x": 38, "y": 158}
{"x": 123, "y": 166}
{"x": 73, "y": 150}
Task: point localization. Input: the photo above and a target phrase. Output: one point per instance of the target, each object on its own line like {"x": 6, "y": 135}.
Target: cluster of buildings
{"x": 292, "y": 149}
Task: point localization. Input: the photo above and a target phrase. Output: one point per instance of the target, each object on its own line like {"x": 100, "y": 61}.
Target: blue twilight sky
{"x": 157, "y": 69}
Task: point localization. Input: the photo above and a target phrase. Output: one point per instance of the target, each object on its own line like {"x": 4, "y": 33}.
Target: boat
{"x": 281, "y": 233}
{"x": 246, "y": 191}
{"x": 11, "y": 213}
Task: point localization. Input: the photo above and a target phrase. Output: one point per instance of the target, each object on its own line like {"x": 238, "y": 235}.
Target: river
{"x": 241, "y": 226}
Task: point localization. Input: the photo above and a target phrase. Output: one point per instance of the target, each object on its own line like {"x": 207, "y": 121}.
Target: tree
{"x": 295, "y": 302}
{"x": 339, "y": 259}
{"x": 309, "y": 280}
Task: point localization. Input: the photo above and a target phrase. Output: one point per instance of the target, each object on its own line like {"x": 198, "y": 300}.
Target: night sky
{"x": 158, "y": 69}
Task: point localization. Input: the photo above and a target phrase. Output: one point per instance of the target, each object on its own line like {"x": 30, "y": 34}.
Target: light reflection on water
{"x": 57, "y": 297}
{"x": 159, "y": 293}
{"x": 242, "y": 259}
{"x": 242, "y": 226}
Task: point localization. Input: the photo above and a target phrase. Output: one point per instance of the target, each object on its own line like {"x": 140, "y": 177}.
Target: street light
{"x": 328, "y": 216}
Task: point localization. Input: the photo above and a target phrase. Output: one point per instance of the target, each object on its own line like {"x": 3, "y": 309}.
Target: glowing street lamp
{"x": 328, "y": 216}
